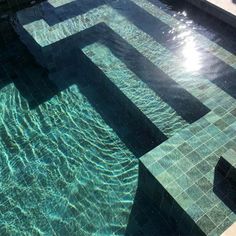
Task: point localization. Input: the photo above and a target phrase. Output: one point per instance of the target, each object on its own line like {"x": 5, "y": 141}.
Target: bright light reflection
{"x": 59, "y": 3}
{"x": 192, "y": 57}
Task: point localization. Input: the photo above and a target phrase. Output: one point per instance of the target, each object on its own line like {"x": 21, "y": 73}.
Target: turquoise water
{"x": 62, "y": 169}
{"x": 72, "y": 129}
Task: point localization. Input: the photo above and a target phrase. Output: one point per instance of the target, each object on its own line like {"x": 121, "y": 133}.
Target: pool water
{"x": 87, "y": 88}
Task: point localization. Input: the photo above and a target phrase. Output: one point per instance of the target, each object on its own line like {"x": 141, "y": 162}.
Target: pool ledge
{"x": 224, "y": 10}
{"x": 181, "y": 179}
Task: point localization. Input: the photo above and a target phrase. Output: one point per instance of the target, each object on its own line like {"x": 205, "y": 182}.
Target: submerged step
{"x": 159, "y": 112}
{"x": 227, "y": 165}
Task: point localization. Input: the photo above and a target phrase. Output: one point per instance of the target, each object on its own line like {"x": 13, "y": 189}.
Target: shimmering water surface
{"x": 87, "y": 87}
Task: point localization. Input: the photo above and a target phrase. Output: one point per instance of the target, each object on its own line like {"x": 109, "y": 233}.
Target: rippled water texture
{"x": 64, "y": 169}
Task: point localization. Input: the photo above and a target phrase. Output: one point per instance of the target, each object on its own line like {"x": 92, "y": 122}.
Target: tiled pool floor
{"x": 95, "y": 87}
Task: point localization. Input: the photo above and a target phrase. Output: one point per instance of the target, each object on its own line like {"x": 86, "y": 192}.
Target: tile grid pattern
{"x": 185, "y": 165}
{"x": 194, "y": 151}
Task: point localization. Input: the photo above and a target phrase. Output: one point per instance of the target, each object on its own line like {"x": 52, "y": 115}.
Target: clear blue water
{"x": 79, "y": 106}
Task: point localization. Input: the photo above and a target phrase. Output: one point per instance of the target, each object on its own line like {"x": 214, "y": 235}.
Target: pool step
{"x": 227, "y": 165}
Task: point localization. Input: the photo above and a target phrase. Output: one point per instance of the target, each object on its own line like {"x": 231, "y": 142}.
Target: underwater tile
{"x": 203, "y": 136}
{"x": 184, "y": 164}
{"x": 194, "y": 174}
{"x": 195, "y": 128}
{"x": 212, "y": 130}
{"x": 185, "y": 148}
{"x": 164, "y": 178}
{"x": 194, "y": 192}
{"x": 220, "y": 124}
{"x": 229, "y": 118}
{"x": 186, "y": 134}
{"x": 203, "y": 151}
{"x": 212, "y": 159}
{"x": 175, "y": 171}
{"x": 212, "y": 144}
{"x": 184, "y": 181}
{"x": 219, "y": 111}
{"x": 174, "y": 189}
{"x": 205, "y": 203}
{"x": 194, "y": 142}
{"x": 216, "y": 215}
{"x": 184, "y": 200}
{"x": 204, "y": 184}
{"x": 212, "y": 117}
{"x": 194, "y": 157}
{"x": 195, "y": 212}
{"x": 156, "y": 169}
{"x": 206, "y": 224}
{"x": 204, "y": 167}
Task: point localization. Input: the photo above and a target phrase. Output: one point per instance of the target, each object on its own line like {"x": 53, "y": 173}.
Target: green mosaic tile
{"x": 230, "y": 145}
{"x": 213, "y": 197}
{"x": 212, "y": 159}
{"x": 174, "y": 189}
{"x": 148, "y": 160}
{"x": 229, "y": 118}
{"x": 186, "y": 134}
{"x": 194, "y": 142}
{"x": 204, "y": 167}
{"x": 203, "y": 122}
{"x": 220, "y": 151}
{"x": 176, "y": 140}
{"x": 175, "y": 155}
{"x": 210, "y": 176}
{"x": 233, "y": 112}
{"x": 221, "y": 138}
{"x": 164, "y": 178}
{"x": 221, "y": 205}
{"x": 175, "y": 171}
{"x": 229, "y": 105}
{"x": 230, "y": 132}
{"x": 204, "y": 184}
{"x": 184, "y": 200}
{"x": 203, "y": 136}
{"x": 203, "y": 151}
{"x": 185, "y": 148}
{"x": 156, "y": 169}
{"x": 184, "y": 181}
{"x": 212, "y": 144}
{"x": 165, "y": 162}
{"x": 166, "y": 147}
{"x": 232, "y": 217}
{"x": 206, "y": 224}
{"x": 212, "y": 117}
{"x": 184, "y": 164}
{"x": 195, "y": 212}
{"x": 194, "y": 174}
{"x": 216, "y": 215}
{"x": 219, "y": 111}
{"x": 205, "y": 203}
{"x": 194, "y": 157}
{"x": 220, "y": 124}
{"x": 212, "y": 130}
{"x": 194, "y": 192}
{"x": 195, "y": 128}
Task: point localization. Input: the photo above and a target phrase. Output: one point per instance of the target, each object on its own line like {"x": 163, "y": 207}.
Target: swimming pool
{"x": 89, "y": 87}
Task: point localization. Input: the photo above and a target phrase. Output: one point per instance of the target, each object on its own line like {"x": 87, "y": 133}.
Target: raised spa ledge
{"x": 227, "y": 165}
{"x": 224, "y": 10}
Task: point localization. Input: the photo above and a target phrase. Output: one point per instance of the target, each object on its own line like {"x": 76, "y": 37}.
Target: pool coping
{"x": 225, "y": 12}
